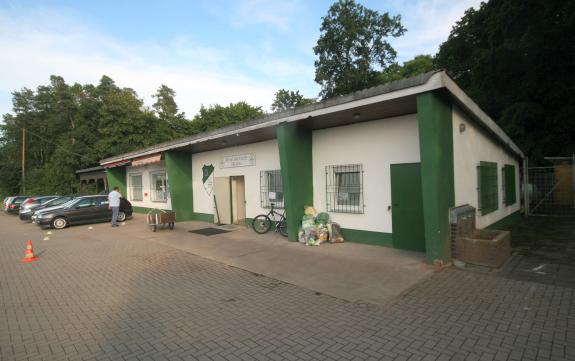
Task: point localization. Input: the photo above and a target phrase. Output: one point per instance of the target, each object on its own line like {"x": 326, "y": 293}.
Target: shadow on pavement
{"x": 543, "y": 251}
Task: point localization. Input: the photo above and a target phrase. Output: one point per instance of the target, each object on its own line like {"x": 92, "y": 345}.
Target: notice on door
{"x": 242, "y": 160}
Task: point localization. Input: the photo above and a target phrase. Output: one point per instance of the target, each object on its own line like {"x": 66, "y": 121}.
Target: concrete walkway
{"x": 350, "y": 271}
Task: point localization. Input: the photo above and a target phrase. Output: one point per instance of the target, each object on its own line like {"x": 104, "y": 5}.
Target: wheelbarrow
{"x": 157, "y": 217}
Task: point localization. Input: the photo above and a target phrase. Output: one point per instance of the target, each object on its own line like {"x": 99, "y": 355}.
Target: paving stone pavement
{"x": 544, "y": 251}
{"x": 95, "y": 297}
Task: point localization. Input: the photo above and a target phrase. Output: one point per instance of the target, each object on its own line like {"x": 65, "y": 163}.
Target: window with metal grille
{"x": 271, "y": 189}
{"x": 508, "y": 183}
{"x": 488, "y": 189}
{"x": 136, "y": 187}
{"x": 344, "y": 188}
{"x": 159, "y": 187}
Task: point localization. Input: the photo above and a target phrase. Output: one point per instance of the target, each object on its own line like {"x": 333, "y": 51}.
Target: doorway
{"x": 407, "y": 207}
{"x": 222, "y": 204}
{"x": 229, "y": 200}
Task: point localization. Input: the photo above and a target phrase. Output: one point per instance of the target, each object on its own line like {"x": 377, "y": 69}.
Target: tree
{"x": 352, "y": 48}
{"x": 515, "y": 59}
{"x": 418, "y": 65}
{"x": 288, "y": 99}
{"x": 124, "y": 125}
{"x": 217, "y": 116}
{"x": 74, "y": 126}
{"x": 172, "y": 123}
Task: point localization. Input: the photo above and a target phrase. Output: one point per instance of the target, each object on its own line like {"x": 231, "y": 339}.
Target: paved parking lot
{"x": 100, "y": 294}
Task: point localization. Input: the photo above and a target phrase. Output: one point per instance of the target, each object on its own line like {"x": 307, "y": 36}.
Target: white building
{"x": 387, "y": 163}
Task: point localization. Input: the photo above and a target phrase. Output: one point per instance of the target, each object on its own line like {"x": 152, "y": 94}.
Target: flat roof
{"x": 397, "y": 96}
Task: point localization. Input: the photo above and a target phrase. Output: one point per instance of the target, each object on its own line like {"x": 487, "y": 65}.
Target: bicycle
{"x": 263, "y": 222}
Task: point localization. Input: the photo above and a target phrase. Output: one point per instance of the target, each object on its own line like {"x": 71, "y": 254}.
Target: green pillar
{"x": 117, "y": 178}
{"x": 295, "y": 149}
{"x": 436, "y": 151}
{"x": 179, "y": 170}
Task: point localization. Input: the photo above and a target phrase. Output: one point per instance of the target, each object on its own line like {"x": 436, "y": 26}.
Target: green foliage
{"x": 352, "y": 48}
{"x": 70, "y": 127}
{"x": 418, "y": 65}
{"x": 173, "y": 122}
{"x": 288, "y": 99}
{"x": 217, "y": 116}
{"x": 515, "y": 59}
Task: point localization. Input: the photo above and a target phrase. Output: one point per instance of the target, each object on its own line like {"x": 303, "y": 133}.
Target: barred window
{"x": 344, "y": 188}
{"x": 271, "y": 189}
{"x": 488, "y": 195}
{"x": 159, "y": 187}
{"x": 136, "y": 187}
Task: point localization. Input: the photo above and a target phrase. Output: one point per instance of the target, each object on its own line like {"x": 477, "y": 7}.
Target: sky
{"x": 208, "y": 51}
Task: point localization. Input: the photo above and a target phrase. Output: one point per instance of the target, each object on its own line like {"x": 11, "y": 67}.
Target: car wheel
{"x": 59, "y": 223}
{"x": 121, "y": 216}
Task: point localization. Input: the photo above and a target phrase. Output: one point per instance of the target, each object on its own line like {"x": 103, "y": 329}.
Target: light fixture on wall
{"x": 356, "y": 116}
{"x": 461, "y": 127}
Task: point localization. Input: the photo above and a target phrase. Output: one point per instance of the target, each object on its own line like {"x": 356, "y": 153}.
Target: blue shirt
{"x": 114, "y": 199}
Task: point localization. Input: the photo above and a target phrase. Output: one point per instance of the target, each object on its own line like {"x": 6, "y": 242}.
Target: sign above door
{"x": 242, "y": 160}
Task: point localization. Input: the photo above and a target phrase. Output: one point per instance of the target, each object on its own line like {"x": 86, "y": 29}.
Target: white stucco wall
{"x": 469, "y": 148}
{"x": 145, "y": 171}
{"x": 267, "y": 158}
{"x": 376, "y": 145}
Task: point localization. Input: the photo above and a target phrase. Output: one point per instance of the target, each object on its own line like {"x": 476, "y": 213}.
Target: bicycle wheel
{"x": 282, "y": 227}
{"x": 261, "y": 224}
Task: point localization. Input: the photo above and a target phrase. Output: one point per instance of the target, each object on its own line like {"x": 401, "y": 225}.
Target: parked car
{"x": 12, "y": 204}
{"x": 27, "y": 208}
{"x": 4, "y": 202}
{"x": 86, "y": 209}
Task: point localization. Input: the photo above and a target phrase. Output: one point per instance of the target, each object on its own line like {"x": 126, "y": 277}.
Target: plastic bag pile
{"x": 317, "y": 228}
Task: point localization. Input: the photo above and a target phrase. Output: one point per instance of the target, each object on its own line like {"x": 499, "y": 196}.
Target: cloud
{"x": 199, "y": 74}
{"x": 277, "y": 13}
{"x": 428, "y": 24}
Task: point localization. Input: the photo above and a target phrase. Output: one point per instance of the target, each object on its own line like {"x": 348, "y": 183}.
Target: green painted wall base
{"x": 142, "y": 210}
{"x": 367, "y": 237}
{"x": 204, "y": 217}
{"x": 504, "y": 223}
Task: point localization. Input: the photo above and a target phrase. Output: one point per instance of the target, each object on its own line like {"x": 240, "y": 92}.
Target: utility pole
{"x": 24, "y": 160}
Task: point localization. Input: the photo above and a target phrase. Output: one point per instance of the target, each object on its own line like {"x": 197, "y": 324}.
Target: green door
{"x": 407, "y": 207}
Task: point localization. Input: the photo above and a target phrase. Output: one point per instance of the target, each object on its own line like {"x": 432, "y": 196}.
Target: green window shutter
{"x": 488, "y": 190}
{"x": 510, "y": 194}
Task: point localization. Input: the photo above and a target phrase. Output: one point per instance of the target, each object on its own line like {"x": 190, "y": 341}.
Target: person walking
{"x": 114, "y": 204}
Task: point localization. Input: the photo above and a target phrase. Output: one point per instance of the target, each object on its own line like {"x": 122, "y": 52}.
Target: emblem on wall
{"x": 208, "y": 178}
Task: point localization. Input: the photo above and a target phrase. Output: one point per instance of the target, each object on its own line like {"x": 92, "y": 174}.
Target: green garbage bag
{"x": 322, "y": 218}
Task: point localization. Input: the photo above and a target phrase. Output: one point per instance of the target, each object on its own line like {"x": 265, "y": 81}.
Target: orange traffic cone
{"x": 29, "y": 257}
